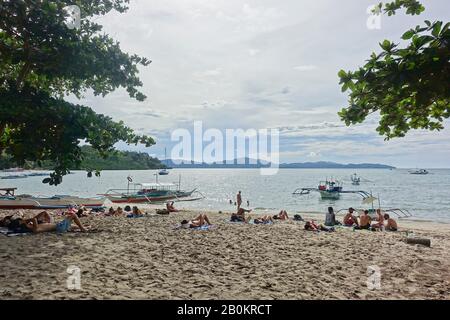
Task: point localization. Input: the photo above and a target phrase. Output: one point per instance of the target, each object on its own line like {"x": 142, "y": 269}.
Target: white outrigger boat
{"x": 330, "y": 190}
{"x": 419, "y": 171}
{"x": 9, "y": 201}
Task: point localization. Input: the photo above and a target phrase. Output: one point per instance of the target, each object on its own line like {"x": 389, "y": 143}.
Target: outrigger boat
{"x": 419, "y": 171}
{"x": 8, "y": 200}
{"x": 330, "y": 190}
{"x": 147, "y": 192}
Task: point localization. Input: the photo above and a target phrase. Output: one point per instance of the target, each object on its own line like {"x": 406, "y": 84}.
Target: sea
{"x": 426, "y": 197}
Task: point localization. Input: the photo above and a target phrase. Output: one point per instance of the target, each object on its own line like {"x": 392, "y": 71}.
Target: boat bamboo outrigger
{"x": 330, "y": 190}
{"x": 8, "y": 200}
{"x": 148, "y": 192}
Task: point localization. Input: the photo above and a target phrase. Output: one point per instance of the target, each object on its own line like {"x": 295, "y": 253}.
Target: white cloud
{"x": 249, "y": 64}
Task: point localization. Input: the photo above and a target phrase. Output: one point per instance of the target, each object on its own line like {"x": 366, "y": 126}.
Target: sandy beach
{"x": 147, "y": 258}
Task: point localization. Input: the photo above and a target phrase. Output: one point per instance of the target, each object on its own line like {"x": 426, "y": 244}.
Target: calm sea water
{"x": 426, "y": 197}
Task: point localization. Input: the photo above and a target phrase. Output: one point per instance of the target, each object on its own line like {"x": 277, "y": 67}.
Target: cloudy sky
{"x": 262, "y": 64}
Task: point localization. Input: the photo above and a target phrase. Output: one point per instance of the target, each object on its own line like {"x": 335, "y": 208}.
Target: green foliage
{"x": 117, "y": 160}
{"x": 41, "y": 62}
{"x": 408, "y": 86}
{"x": 93, "y": 162}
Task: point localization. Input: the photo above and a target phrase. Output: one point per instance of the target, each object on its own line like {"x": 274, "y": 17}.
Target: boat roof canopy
{"x": 156, "y": 185}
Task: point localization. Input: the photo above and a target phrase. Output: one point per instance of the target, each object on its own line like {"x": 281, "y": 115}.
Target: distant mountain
{"x": 248, "y": 163}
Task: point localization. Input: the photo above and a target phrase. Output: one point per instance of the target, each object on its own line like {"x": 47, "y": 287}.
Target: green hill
{"x": 118, "y": 160}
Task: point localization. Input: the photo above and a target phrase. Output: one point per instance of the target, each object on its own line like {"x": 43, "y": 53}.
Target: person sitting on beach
{"x": 281, "y": 216}
{"x": 349, "y": 219}
{"x": 391, "y": 224}
{"x": 111, "y": 212}
{"x": 170, "y": 207}
{"x": 240, "y": 215}
{"x": 60, "y": 227}
{"x": 312, "y": 226}
{"x": 330, "y": 218}
{"x": 200, "y": 221}
{"x": 364, "y": 221}
{"x": 263, "y": 220}
{"x": 119, "y": 211}
{"x": 380, "y": 221}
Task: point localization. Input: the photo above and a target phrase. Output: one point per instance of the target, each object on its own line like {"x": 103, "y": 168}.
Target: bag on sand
{"x": 162, "y": 211}
{"x": 298, "y": 217}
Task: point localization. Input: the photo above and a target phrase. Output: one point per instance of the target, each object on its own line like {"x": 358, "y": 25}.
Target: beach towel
{"x": 250, "y": 222}
{"x": 9, "y": 233}
{"x": 202, "y": 228}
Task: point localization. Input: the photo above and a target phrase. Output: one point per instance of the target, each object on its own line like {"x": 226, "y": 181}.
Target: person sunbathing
{"x": 312, "y": 226}
{"x": 240, "y": 215}
{"x": 60, "y": 227}
{"x": 19, "y": 224}
{"x": 380, "y": 221}
{"x": 391, "y": 224}
{"x": 136, "y": 213}
{"x": 349, "y": 219}
{"x": 200, "y": 221}
{"x": 364, "y": 221}
{"x": 170, "y": 207}
{"x": 281, "y": 216}
{"x": 263, "y": 220}
{"x": 119, "y": 211}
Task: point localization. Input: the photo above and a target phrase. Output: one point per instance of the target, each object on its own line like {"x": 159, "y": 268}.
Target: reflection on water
{"x": 427, "y": 196}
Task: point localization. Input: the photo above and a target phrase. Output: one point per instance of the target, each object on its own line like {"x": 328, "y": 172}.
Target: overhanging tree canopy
{"x": 41, "y": 62}
{"x": 409, "y": 86}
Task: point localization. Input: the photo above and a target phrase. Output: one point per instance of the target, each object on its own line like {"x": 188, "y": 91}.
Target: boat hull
{"x": 48, "y": 203}
{"x": 147, "y": 198}
{"x": 330, "y": 195}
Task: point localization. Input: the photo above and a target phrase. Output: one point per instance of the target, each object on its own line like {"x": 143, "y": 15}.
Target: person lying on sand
{"x": 60, "y": 227}
{"x": 391, "y": 224}
{"x": 364, "y": 221}
{"x": 281, "y": 216}
{"x": 170, "y": 207}
{"x": 240, "y": 215}
{"x": 330, "y": 218}
{"x": 200, "y": 221}
{"x": 349, "y": 219}
{"x": 263, "y": 220}
{"x": 312, "y": 226}
{"x": 119, "y": 211}
{"x": 135, "y": 213}
{"x": 379, "y": 225}
{"x": 17, "y": 224}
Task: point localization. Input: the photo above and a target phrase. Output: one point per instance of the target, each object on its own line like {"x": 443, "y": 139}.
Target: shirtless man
{"x": 170, "y": 207}
{"x": 349, "y": 219}
{"x": 240, "y": 215}
{"x": 380, "y": 221}
{"x": 239, "y": 200}
{"x": 364, "y": 220}
{"x": 201, "y": 220}
{"x": 391, "y": 224}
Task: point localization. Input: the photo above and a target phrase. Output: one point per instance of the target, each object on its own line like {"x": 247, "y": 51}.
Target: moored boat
{"x": 8, "y": 200}
{"x": 147, "y": 192}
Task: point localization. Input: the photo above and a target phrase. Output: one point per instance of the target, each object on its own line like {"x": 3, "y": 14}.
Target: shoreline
{"x": 147, "y": 258}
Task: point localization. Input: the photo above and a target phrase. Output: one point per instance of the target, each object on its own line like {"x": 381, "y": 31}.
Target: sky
{"x": 262, "y": 64}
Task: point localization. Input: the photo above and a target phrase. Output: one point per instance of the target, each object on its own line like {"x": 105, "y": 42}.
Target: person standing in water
{"x": 239, "y": 200}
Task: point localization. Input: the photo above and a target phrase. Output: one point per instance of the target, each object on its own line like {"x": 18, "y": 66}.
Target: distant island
{"x": 247, "y": 163}
{"x": 118, "y": 160}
